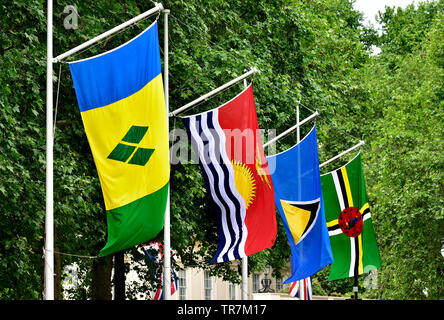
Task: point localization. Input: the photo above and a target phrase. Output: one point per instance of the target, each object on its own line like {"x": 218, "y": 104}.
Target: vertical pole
{"x": 245, "y": 278}
{"x": 298, "y": 130}
{"x": 356, "y": 286}
{"x": 119, "y": 276}
{"x": 49, "y": 218}
{"x": 245, "y": 260}
{"x": 298, "y": 139}
{"x": 166, "y": 229}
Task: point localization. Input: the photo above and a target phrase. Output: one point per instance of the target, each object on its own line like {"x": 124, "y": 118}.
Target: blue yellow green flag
{"x": 122, "y": 105}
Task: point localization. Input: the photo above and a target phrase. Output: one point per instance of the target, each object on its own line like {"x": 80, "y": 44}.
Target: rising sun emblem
{"x": 244, "y": 181}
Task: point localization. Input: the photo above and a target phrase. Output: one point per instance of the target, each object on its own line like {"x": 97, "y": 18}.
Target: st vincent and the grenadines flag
{"x": 122, "y": 104}
{"x": 349, "y": 222}
{"x": 228, "y": 143}
{"x": 298, "y": 197}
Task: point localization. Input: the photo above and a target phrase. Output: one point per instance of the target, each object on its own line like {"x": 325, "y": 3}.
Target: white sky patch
{"x": 370, "y": 10}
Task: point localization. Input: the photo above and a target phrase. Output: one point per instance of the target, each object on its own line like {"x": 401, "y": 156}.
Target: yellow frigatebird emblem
{"x": 260, "y": 171}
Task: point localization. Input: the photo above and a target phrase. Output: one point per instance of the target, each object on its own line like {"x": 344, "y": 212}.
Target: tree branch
{"x": 6, "y": 49}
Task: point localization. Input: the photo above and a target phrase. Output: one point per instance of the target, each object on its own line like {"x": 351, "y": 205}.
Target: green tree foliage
{"x": 313, "y": 53}
{"x": 22, "y": 153}
{"x": 406, "y": 161}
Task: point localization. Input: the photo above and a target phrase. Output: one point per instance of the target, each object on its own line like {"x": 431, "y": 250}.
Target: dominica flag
{"x": 298, "y": 197}
{"x": 122, "y": 105}
{"x": 349, "y": 222}
{"x": 228, "y": 143}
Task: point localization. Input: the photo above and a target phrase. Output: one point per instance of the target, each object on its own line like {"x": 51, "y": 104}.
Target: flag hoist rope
{"x": 48, "y": 292}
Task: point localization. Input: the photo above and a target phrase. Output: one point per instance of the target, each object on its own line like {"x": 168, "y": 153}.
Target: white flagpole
{"x": 298, "y": 139}
{"x": 211, "y": 93}
{"x": 298, "y": 132}
{"x": 158, "y": 7}
{"x": 297, "y": 125}
{"x": 49, "y": 218}
{"x": 361, "y": 143}
{"x": 245, "y": 261}
{"x": 166, "y": 228}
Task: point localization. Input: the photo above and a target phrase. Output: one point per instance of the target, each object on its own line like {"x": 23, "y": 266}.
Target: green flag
{"x": 349, "y": 222}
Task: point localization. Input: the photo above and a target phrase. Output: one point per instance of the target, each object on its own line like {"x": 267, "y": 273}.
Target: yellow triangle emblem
{"x": 301, "y": 216}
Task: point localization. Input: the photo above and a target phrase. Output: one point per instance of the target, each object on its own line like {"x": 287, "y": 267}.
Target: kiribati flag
{"x": 228, "y": 143}
{"x": 298, "y": 196}
{"x": 122, "y": 104}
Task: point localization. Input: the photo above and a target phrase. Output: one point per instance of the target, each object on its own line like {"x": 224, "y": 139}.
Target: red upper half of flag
{"x": 243, "y": 144}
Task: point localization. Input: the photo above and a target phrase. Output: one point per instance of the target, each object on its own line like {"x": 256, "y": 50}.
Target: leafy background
{"x": 314, "y": 53}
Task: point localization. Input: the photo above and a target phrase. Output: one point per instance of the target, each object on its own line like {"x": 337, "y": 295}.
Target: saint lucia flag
{"x": 349, "y": 222}
{"x": 121, "y": 100}
{"x": 298, "y": 197}
{"x": 227, "y": 140}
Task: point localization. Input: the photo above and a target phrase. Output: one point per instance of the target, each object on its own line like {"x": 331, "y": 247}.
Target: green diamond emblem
{"x": 123, "y": 151}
